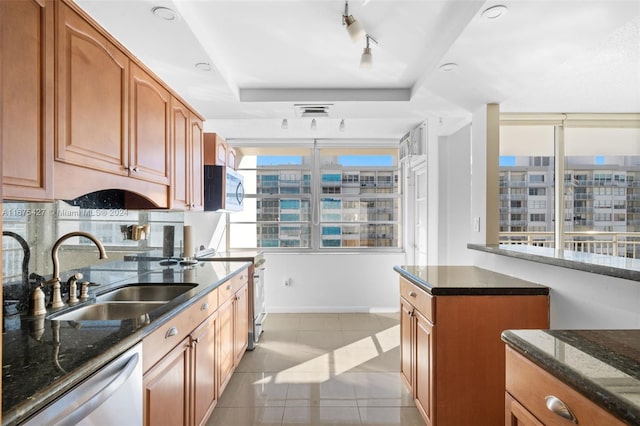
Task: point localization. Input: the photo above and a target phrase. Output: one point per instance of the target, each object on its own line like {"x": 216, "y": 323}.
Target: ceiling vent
{"x": 312, "y": 110}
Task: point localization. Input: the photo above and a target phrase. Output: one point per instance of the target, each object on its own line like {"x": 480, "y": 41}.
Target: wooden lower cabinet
{"x": 527, "y": 388}
{"x": 203, "y": 373}
{"x": 241, "y": 323}
{"x": 189, "y": 360}
{"x": 166, "y": 388}
{"x": 233, "y": 334}
{"x": 452, "y": 357}
{"x": 424, "y": 366}
{"x": 225, "y": 344}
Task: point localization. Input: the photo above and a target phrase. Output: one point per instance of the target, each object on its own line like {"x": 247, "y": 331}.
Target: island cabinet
{"x": 452, "y": 356}
{"x": 534, "y": 397}
{"x": 187, "y": 161}
{"x": 26, "y": 72}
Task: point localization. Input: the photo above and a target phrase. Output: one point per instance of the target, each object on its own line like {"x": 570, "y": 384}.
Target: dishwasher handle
{"x": 103, "y": 394}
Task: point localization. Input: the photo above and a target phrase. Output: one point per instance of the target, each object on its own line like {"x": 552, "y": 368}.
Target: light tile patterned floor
{"x": 320, "y": 369}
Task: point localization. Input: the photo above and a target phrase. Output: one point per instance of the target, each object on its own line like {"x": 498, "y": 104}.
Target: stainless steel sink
{"x": 145, "y": 293}
{"x": 108, "y": 311}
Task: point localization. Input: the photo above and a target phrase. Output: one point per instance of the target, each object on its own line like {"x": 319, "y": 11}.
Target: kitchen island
{"x": 451, "y": 319}
{"x": 44, "y": 358}
{"x": 594, "y": 373}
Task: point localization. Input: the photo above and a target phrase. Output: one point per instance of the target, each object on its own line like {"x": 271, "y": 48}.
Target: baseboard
{"x": 332, "y": 309}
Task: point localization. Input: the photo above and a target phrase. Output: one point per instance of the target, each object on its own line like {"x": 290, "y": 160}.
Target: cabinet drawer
{"x": 229, "y": 288}
{"x": 165, "y": 338}
{"x": 419, "y": 298}
{"x": 530, "y": 385}
{"x": 203, "y": 308}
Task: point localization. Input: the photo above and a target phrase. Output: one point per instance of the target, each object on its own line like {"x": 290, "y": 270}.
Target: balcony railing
{"x": 624, "y": 244}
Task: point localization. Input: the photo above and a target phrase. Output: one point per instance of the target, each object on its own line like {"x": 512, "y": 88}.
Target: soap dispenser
{"x": 36, "y": 303}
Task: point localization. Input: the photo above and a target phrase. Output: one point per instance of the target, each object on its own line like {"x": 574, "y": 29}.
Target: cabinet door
{"x": 204, "y": 369}
{"x": 197, "y": 164}
{"x": 406, "y": 342}
{"x": 225, "y": 344}
{"x": 26, "y": 31}
{"x": 92, "y": 79}
{"x": 517, "y": 415}
{"x": 166, "y": 389}
{"x": 180, "y": 167}
{"x": 241, "y": 323}
{"x": 149, "y": 149}
{"x": 423, "y": 386}
{"x": 231, "y": 158}
{"x": 221, "y": 151}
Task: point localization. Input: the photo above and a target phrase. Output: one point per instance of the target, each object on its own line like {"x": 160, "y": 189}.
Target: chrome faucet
{"x": 56, "y": 298}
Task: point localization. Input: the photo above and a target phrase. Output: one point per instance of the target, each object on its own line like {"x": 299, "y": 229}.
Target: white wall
{"x": 455, "y": 193}
{"x": 209, "y": 229}
{"x": 578, "y": 299}
{"x": 332, "y": 282}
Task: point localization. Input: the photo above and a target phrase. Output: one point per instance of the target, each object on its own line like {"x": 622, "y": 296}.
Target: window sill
{"x": 619, "y": 267}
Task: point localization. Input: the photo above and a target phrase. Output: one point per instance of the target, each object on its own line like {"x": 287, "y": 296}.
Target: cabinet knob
{"x": 171, "y": 332}
{"x": 412, "y": 294}
{"x": 204, "y": 307}
{"x": 193, "y": 205}
{"x": 228, "y": 286}
{"x": 133, "y": 169}
{"x": 556, "y": 406}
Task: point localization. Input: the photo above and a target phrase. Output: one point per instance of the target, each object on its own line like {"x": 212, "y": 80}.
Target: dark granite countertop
{"x": 613, "y": 266}
{"x": 467, "y": 280}
{"x": 603, "y": 365}
{"x": 43, "y": 358}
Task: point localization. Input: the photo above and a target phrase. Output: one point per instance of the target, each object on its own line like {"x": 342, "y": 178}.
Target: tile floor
{"x": 320, "y": 369}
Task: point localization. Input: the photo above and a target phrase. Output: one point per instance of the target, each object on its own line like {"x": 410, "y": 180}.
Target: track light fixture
{"x": 314, "y": 125}
{"x": 285, "y": 124}
{"x": 366, "y": 60}
{"x": 354, "y": 28}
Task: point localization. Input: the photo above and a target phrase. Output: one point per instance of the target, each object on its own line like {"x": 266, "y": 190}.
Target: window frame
{"x": 317, "y": 196}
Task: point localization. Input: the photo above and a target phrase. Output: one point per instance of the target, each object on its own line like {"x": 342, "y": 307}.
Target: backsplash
{"x": 41, "y": 224}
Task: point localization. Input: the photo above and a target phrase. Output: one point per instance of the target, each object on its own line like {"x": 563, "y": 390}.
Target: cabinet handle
{"x": 412, "y": 294}
{"x": 171, "y": 332}
{"x": 555, "y": 405}
{"x": 204, "y": 307}
{"x": 133, "y": 169}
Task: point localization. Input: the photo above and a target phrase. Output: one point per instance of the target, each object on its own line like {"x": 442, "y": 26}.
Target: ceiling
{"x": 267, "y": 56}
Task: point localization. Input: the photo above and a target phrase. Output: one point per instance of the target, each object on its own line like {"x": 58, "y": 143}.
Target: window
{"x": 325, "y": 198}
{"x": 537, "y": 217}
{"x": 537, "y": 191}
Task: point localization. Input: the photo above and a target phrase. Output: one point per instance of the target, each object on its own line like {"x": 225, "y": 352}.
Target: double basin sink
{"x": 130, "y": 301}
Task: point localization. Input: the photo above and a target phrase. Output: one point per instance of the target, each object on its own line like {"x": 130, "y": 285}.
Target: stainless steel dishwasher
{"x": 111, "y": 396}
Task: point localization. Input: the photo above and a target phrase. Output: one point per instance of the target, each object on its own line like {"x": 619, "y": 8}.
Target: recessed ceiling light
{"x": 165, "y": 13}
{"x": 204, "y": 66}
{"x": 449, "y": 66}
{"x": 495, "y": 12}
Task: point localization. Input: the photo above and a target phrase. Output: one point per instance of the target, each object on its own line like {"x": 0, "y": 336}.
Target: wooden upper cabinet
{"x": 92, "y": 109}
{"x": 232, "y": 158}
{"x": 27, "y": 36}
{"x": 186, "y": 158}
{"x": 180, "y": 128}
{"x": 149, "y": 143}
{"x": 197, "y": 163}
{"x": 215, "y": 150}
